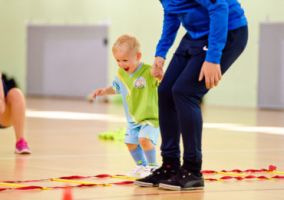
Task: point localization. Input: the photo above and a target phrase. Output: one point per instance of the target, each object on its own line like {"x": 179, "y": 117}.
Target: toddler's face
{"x": 126, "y": 59}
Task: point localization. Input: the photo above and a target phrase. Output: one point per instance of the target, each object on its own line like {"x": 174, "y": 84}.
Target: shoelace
{"x": 21, "y": 144}
{"x": 162, "y": 170}
{"x": 158, "y": 171}
{"x": 182, "y": 173}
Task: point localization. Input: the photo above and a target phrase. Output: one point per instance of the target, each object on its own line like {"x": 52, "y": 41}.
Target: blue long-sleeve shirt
{"x": 200, "y": 17}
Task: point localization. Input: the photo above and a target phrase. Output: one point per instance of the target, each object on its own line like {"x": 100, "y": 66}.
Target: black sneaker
{"x": 153, "y": 180}
{"x": 183, "y": 180}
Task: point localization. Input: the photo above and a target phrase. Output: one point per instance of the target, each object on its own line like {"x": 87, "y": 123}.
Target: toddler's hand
{"x": 93, "y": 95}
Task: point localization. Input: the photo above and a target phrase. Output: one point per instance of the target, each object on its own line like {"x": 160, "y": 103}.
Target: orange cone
{"x": 67, "y": 194}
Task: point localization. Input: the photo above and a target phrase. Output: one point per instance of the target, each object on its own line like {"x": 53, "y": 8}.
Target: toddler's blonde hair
{"x": 128, "y": 41}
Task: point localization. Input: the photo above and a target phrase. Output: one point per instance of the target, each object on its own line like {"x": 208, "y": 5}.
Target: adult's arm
{"x": 219, "y": 15}
{"x": 171, "y": 24}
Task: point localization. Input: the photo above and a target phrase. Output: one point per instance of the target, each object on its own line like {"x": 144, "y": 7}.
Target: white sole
{"x": 144, "y": 184}
{"x": 25, "y": 151}
{"x": 177, "y": 188}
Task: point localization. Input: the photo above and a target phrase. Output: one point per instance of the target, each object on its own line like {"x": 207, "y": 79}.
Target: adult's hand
{"x": 157, "y": 68}
{"x": 159, "y": 62}
{"x": 211, "y": 72}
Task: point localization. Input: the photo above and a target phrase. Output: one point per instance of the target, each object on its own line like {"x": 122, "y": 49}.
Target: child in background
{"x": 139, "y": 93}
{"x": 12, "y": 112}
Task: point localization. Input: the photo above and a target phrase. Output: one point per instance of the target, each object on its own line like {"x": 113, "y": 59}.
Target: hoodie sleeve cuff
{"x": 213, "y": 57}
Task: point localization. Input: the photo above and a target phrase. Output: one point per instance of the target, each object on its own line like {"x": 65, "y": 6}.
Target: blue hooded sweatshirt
{"x": 201, "y": 17}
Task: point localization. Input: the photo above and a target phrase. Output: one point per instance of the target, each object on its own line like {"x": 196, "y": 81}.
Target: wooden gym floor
{"x": 63, "y": 135}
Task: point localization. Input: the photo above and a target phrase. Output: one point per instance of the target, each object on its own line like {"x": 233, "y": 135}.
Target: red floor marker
{"x": 67, "y": 193}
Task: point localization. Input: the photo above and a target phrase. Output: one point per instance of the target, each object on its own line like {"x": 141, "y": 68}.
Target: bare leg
{"x": 16, "y": 108}
{"x": 146, "y": 144}
{"x": 131, "y": 147}
{"x": 14, "y": 115}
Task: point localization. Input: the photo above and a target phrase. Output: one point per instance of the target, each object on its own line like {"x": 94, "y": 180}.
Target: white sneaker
{"x": 147, "y": 171}
{"x": 141, "y": 171}
{"x": 136, "y": 172}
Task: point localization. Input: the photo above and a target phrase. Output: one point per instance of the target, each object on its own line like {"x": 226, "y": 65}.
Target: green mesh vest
{"x": 142, "y": 98}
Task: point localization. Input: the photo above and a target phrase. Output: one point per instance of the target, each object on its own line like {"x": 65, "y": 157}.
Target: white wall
{"x": 141, "y": 18}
